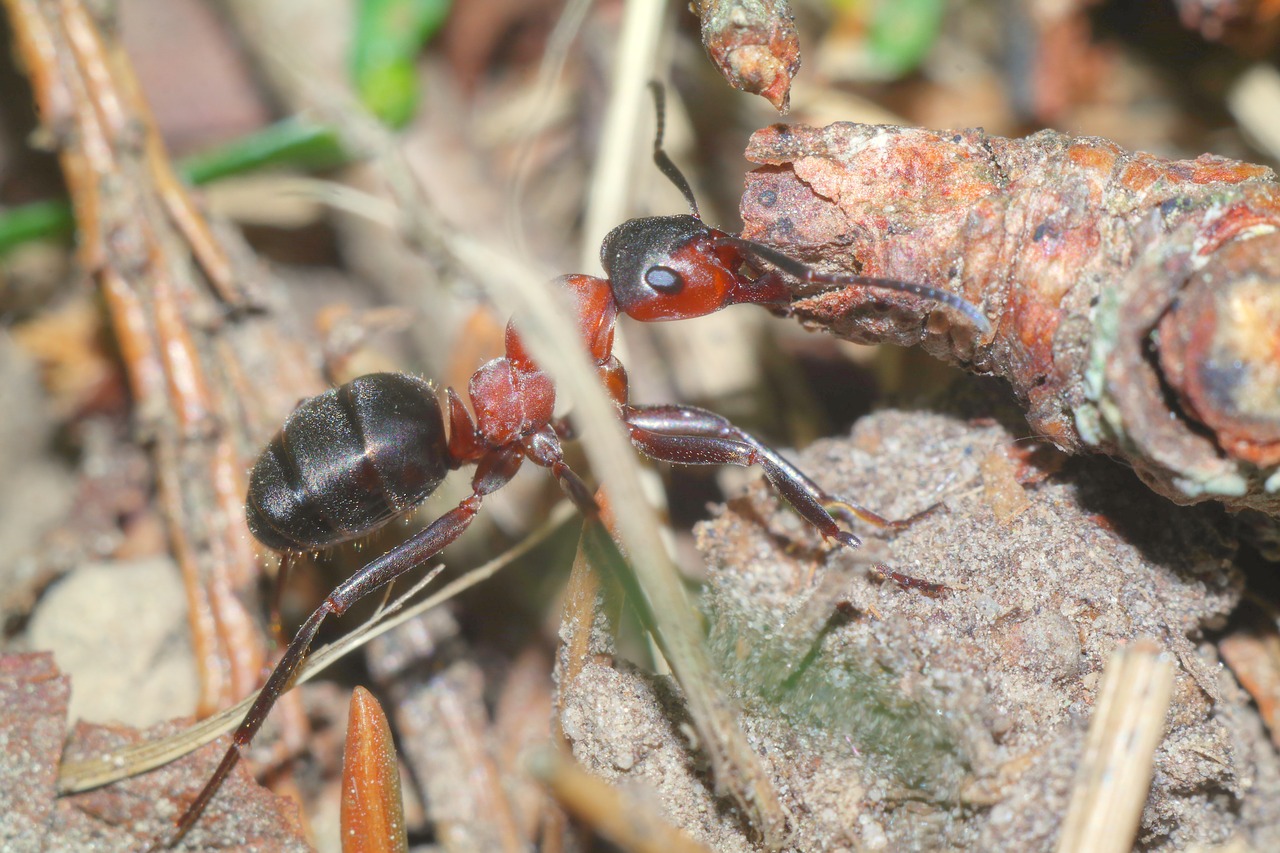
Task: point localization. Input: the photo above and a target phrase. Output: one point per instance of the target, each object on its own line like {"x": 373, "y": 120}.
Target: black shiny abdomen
{"x": 347, "y": 461}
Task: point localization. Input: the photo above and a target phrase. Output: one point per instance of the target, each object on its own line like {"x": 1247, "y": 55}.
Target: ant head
{"x": 678, "y": 267}
{"x": 656, "y": 272}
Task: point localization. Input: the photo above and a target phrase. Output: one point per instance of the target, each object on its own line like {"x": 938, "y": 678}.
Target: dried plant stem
{"x": 1254, "y": 100}
{"x": 735, "y": 766}
{"x": 620, "y": 137}
{"x": 139, "y": 235}
{"x": 625, "y": 821}
{"x": 578, "y": 620}
{"x": 1115, "y": 775}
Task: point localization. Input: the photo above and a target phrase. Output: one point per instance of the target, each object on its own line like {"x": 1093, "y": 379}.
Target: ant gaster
{"x": 351, "y": 459}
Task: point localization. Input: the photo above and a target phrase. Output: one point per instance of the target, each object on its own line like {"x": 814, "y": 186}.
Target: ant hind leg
{"x": 492, "y": 473}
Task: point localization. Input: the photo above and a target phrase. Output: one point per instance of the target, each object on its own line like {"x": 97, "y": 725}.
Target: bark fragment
{"x": 1135, "y": 300}
{"x": 129, "y": 815}
{"x": 754, "y": 45}
{"x": 33, "y": 714}
{"x": 1252, "y": 649}
{"x": 211, "y": 364}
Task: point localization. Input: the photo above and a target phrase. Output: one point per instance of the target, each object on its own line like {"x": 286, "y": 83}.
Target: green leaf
{"x": 292, "y": 141}
{"x": 389, "y": 35}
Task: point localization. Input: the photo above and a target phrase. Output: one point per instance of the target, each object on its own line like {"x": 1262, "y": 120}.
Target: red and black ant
{"x": 351, "y": 459}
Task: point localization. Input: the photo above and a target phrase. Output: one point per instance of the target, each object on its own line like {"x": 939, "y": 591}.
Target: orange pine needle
{"x": 372, "y": 810}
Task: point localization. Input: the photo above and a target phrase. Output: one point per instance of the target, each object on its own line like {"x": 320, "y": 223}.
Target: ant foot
{"x": 848, "y": 540}
{"x": 932, "y": 589}
{"x": 849, "y": 511}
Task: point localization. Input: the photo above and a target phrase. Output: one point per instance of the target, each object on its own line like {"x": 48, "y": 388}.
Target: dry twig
{"x": 1115, "y": 773}
{"x": 1136, "y": 300}
{"x": 206, "y": 370}
{"x": 754, "y": 45}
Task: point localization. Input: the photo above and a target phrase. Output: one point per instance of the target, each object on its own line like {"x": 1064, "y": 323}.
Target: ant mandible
{"x": 351, "y": 459}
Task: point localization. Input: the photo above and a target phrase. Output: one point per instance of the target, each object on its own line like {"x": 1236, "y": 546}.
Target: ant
{"x": 351, "y": 459}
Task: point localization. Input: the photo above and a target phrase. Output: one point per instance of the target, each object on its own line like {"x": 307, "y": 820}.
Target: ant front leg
{"x": 492, "y": 472}
{"x": 687, "y": 435}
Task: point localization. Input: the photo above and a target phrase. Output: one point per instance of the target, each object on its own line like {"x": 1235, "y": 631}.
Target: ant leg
{"x": 932, "y": 589}
{"x": 685, "y": 435}
{"x": 692, "y": 421}
{"x": 543, "y": 449}
{"x": 277, "y": 596}
{"x": 564, "y": 428}
{"x": 493, "y": 472}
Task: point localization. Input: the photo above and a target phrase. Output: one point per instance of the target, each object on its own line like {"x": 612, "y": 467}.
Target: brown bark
{"x": 1135, "y": 300}
{"x": 754, "y": 45}
{"x": 211, "y": 368}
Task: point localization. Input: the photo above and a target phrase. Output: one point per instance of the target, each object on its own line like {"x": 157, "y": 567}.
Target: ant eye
{"x": 664, "y": 280}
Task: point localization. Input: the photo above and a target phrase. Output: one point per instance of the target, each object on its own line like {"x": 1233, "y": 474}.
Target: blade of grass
{"x": 293, "y": 141}
{"x": 76, "y": 776}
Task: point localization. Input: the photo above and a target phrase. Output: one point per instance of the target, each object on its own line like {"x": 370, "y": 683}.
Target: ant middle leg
{"x": 686, "y": 435}
{"x": 543, "y": 448}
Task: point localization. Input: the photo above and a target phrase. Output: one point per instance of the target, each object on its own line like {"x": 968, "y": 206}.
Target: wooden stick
{"x": 1115, "y": 774}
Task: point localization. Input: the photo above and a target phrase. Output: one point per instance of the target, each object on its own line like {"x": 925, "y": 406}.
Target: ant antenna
{"x": 664, "y": 163}
{"x": 791, "y": 266}
{"x": 806, "y": 274}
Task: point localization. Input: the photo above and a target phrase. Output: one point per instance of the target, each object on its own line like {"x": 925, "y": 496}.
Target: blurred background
{"x": 499, "y": 109}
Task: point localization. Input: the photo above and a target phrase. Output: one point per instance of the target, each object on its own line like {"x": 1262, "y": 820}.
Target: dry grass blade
{"x": 1254, "y": 100}
{"x": 550, "y": 69}
{"x": 545, "y": 327}
{"x": 1115, "y": 775}
{"x": 104, "y": 769}
{"x": 628, "y": 823}
{"x": 524, "y": 290}
{"x": 620, "y": 136}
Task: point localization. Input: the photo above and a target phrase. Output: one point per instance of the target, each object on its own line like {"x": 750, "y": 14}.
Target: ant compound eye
{"x": 665, "y": 280}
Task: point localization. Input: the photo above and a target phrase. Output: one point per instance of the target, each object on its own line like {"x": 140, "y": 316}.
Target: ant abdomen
{"x": 347, "y": 461}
